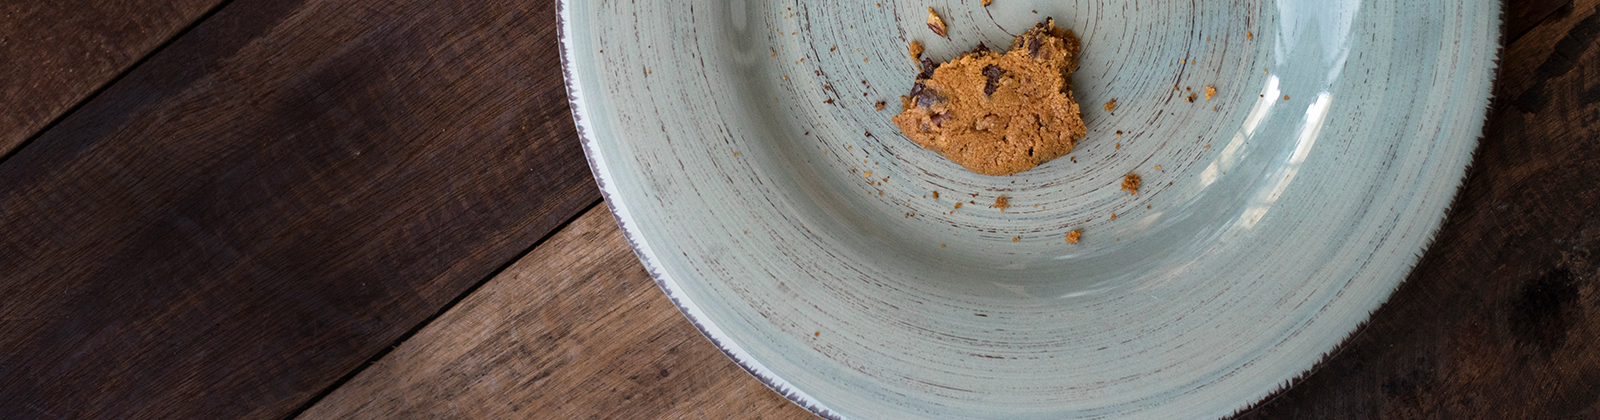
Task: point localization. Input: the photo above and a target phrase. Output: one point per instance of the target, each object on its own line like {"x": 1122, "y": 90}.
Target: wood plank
{"x": 273, "y": 199}
{"x": 575, "y": 330}
{"x": 1523, "y": 15}
{"x": 56, "y": 53}
{"x": 1501, "y": 317}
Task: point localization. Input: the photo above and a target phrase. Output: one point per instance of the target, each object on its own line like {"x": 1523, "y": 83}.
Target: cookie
{"x": 998, "y": 113}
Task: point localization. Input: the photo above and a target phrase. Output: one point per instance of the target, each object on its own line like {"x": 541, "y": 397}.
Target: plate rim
{"x": 641, "y": 248}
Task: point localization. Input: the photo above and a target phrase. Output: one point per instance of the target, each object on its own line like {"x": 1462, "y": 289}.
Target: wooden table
{"x": 379, "y": 209}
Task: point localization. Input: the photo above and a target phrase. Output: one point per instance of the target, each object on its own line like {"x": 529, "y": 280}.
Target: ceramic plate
{"x": 739, "y": 145}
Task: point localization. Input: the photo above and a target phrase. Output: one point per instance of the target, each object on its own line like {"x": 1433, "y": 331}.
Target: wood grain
{"x": 54, "y": 54}
{"x": 275, "y": 198}
{"x": 575, "y": 330}
{"x": 1523, "y": 15}
{"x": 1501, "y": 317}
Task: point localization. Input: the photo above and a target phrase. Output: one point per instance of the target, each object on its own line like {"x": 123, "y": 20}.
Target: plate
{"x": 739, "y": 146}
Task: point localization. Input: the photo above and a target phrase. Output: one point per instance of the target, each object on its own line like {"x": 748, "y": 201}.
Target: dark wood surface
{"x": 378, "y": 209}
{"x": 54, "y": 54}
{"x": 574, "y": 330}
{"x": 274, "y": 199}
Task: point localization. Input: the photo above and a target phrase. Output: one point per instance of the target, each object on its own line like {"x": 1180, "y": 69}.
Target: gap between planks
{"x": 574, "y": 329}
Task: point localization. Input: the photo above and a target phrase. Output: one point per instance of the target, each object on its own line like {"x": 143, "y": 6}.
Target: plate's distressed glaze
{"x": 734, "y": 140}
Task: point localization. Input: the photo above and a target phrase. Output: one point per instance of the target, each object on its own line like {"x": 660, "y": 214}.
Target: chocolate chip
{"x": 1033, "y": 46}
{"x": 994, "y": 73}
{"x": 927, "y": 69}
{"x": 926, "y": 98}
{"x": 915, "y": 89}
{"x": 981, "y": 48}
{"x": 939, "y": 119}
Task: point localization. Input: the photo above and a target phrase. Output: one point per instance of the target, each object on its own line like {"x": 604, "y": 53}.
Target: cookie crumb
{"x": 1114, "y": 217}
{"x": 1112, "y": 106}
{"x": 1016, "y": 239}
{"x": 1249, "y": 35}
{"x": 1158, "y": 167}
{"x": 1211, "y": 91}
{"x": 936, "y": 195}
{"x": 1130, "y": 183}
{"x": 1001, "y": 203}
{"x": 1119, "y": 133}
{"x": 879, "y": 105}
{"x": 958, "y": 204}
{"x": 1190, "y": 98}
{"x": 1072, "y": 237}
{"x": 916, "y": 51}
{"x": 986, "y": 2}
{"x": 935, "y": 23}
{"x": 1285, "y": 97}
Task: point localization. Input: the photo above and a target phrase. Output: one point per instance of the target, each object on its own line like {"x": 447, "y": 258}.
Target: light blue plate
{"x": 1285, "y": 209}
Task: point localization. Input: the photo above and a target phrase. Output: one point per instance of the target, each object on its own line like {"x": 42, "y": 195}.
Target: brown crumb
{"x": 1190, "y": 98}
{"x": 1072, "y": 237}
{"x": 816, "y": 334}
{"x": 986, "y": 2}
{"x": 869, "y": 175}
{"x": 1001, "y": 203}
{"x": 1130, "y": 183}
{"x": 1119, "y": 133}
{"x": 1249, "y": 35}
{"x": 935, "y": 23}
{"x": 958, "y": 204}
{"x": 1113, "y": 216}
{"x": 879, "y": 105}
{"x": 1210, "y": 91}
{"x": 1158, "y": 167}
{"x": 916, "y": 51}
{"x": 1285, "y": 97}
{"x": 1119, "y": 146}
{"x": 829, "y": 101}
{"x": 1016, "y": 239}
{"x": 936, "y": 195}
{"x": 941, "y": 245}
{"x": 1111, "y": 106}
{"x": 830, "y": 49}
{"x": 1074, "y": 159}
